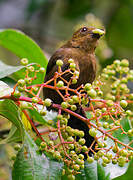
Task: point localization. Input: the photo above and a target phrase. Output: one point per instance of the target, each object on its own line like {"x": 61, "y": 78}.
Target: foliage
{"x": 53, "y": 149}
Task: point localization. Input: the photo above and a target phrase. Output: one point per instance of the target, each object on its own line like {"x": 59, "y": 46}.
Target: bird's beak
{"x": 97, "y": 33}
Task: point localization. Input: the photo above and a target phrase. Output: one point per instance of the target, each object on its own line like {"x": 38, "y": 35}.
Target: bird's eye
{"x": 84, "y": 29}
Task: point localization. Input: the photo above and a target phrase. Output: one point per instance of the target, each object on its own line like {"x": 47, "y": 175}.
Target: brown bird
{"x": 81, "y": 48}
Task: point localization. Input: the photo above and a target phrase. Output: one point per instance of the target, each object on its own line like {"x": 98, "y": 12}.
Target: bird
{"x": 81, "y": 48}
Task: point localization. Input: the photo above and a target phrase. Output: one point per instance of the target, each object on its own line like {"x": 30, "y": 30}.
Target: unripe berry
{"x": 84, "y": 148}
{"x": 105, "y": 125}
{"x": 30, "y": 68}
{"x": 72, "y": 65}
{"x": 73, "y": 107}
{"x": 16, "y": 94}
{"x": 81, "y": 141}
{"x": 28, "y": 80}
{"x": 17, "y": 147}
{"x": 109, "y": 103}
{"x": 70, "y": 139}
{"x": 76, "y": 167}
{"x": 100, "y": 153}
{"x": 57, "y": 155}
{"x": 42, "y": 70}
{"x": 43, "y": 144}
{"x": 60, "y": 84}
{"x": 124, "y": 63}
{"x": 70, "y": 60}
{"x": 64, "y": 105}
{"x": 123, "y": 103}
{"x": 87, "y": 87}
{"x": 59, "y": 62}
{"x": 43, "y": 112}
{"x": 71, "y": 177}
{"x": 81, "y": 156}
{"x": 92, "y": 132}
{"x": 35, "y": 100}
{"x": 47, "y": 102}
{"x": 92, "y": 93}
{"x": 117, "y": 123}
{"x": 114, "y": 161}
{"x": 74, "y": 81}
{"x": 117, "y": 62}
{"x": 90, "y": 159}
{"x": 24, "y": 61}
{"x": 75, "y": 99}
{"x": 21, "y": 82}
{"x": 105, "y": 160}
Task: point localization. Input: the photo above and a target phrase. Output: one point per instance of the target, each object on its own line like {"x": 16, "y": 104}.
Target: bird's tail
{"x": 76, "y": 123}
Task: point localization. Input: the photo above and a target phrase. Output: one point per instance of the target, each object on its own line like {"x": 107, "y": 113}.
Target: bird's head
{"x": 87, "y": 38}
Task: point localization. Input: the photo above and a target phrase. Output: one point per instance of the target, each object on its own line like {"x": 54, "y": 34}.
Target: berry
{"x": 124, "y": 63}
{"x": 90, "y": 159}
{"x": 76, "y": 167}
{"x": 75, "y": 99}
{"x": 24, "y": 105}
{"x": 42, "y": 70}
{"x": 87, "y": 87}
{"x": 81, "y": 141}
{"x": 70, "y": 60}
{"x": 47, "y": 102}
{"x": 24, "y": 61}
{"x": 92, "y": 132}
{"x": 60, "y": 84}
{"x": 17, "y": 147}
{"x": 21, "y": 82}
{"x": 123, "y": 103}
{"x": 92, "y": 93}
{"x": 72, "y": 65}
{"x": 64, "y": 105}
{"x": 73, "y": 107}
{"x": 43, "y": 144}
{"x": 84, "y": 148}
{"x": 30, "y": 68}
{"x": 16, "y": 94}
{"x": 43, "y": 112}
{"x": 109, "y": 103}
{"x": 59, "y": 62}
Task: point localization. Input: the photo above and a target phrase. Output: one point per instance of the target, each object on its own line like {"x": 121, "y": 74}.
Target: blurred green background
{"x": 51, "y": 22}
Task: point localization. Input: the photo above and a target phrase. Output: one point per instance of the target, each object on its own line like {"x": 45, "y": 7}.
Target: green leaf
{"x": 9, "y": 110}
{"x": 93, "y": 171}
{"x": 30, "y": 165}
{"x": 6, "y": 70}
{"x": 23, "y": 47}
{"x": 13, "y": 136}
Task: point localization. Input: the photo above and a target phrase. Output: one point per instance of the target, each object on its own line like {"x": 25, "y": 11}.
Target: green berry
{"x": 92, "y": 93}
{"x": 90, "y": 159}
{"x": 105, "y": 159}
{"x": 70, "y": 60}
{"x": 74, "y": 81}
{"x": 42, "y": 70}
{"x": 64, "y": 105}
{"x": 71, "y": 177}
{"x": 43, "y": 144}
{"x": 114, "y": 161}
{"x": 76, "y": 167}
{"x": 60, "y": 84}
{"x": 87, "y": 87}
{"x": 93, "y": 132}
{"x": 24, "y": 61}
{"x": 72, "y": 65}
{"x": 117, "y": 62}
{"x": 115, "y": 149}
{"x": 124, "y": 63}
{"x": 70, "y": 139}
{"x": 59, "y": 116}
{"x": 59, "y": 62}
{"x": 109, "y": 103}
{"x": 105, "y": 125}
{"x": 75, "y": 99}
{"x": 117, "y": 123}
{"x": 21, "y": 82}
{"x": 123, "y": 103}
{"x": 84, "y": 148}
{"x": 16, "y": 94}
{"x": 100, "y": 153}
{"x": 81, "y": 134}
{"x": 47, "y": 102}
{"x": 81, "y": 156}
{"x": 28, "y": 80}
{"x": 57, "y": 155}
{"x": 30, "y": 68}
{"x": 17, "y": 147}
{"x": 43, "y": 112}
{"x": 73, "y": 107}
{"x": 81, "y": 141}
